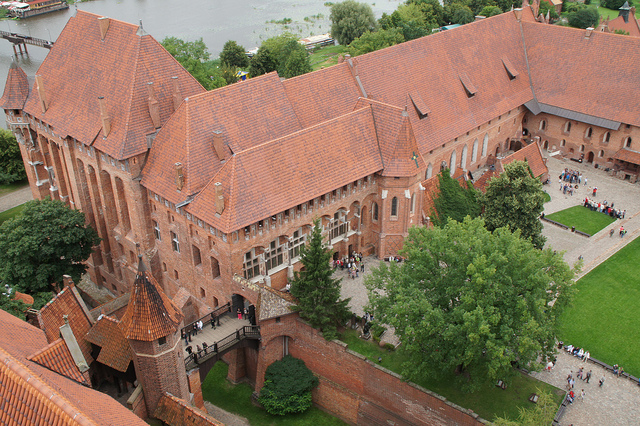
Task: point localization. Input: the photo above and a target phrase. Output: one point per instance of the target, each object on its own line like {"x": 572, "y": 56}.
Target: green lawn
{"x": 583, "y": 218}
{"x": 488, "y": 402}
{"x": 604, "y": 315}
{"x": 547, "y": 197}
{"x": 326, "y": 56}
{"x": 612, "y": 14}
{"x": 237, "y": 399}
{"x": 5, "y": 189}
{"x": 8, "y": 214}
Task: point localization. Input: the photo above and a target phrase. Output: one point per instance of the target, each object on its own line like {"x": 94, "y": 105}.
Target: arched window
{"x": 567, "y": 127}
{"x": 627, "y": 142}
{"x": 588, "y": 133}
{"x": 452, "y": 162}
{"x": 463, "y": 158}
{"x": 474, "y": 151}
{"x": 274, "y": 257}
{"x": 606, "y": 137}
{"x": 443, "y": 165}
{"x": 374, "y": 211}
{"x": 413, "y": 203}
{"x": 394, "y": 206}
{"x": 581, "y": 148}
{"x": 601, "y": 154}
{"x": 429, "y": 171}
{"x": 543, "y": 125}
{"x": 563, "y": 142}
{"x": 485, "y": 144}
{"x": 545, "y": 145}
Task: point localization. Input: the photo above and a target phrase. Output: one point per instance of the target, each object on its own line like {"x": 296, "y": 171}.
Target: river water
{"x": 248, "y": 22}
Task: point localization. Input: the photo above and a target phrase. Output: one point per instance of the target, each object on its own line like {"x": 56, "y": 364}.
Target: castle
{"x": 218, "y": 190}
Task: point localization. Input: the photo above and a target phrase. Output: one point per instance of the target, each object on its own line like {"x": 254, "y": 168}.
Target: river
{"x": 215, "y": 21}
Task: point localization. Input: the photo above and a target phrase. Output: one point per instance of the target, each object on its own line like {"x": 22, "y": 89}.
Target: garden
{"x": 582, "y": 218}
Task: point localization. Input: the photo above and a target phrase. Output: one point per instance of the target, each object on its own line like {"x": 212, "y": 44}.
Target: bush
{"x": 287, "y": 387}
{"x": 584, "y": 18}
{"x": 11, "y": 165}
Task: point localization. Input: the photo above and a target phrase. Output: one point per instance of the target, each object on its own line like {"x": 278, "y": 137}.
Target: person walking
{"x": 601, "y": 382}
{"x": 582, "y": 395}
{"x": 588, "y": 377}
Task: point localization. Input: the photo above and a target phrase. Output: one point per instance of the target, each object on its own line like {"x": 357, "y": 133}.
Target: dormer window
{"x": 469, "y": 88}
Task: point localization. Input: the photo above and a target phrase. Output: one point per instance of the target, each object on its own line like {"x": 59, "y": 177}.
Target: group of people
{"x": 354, "y": 264}
{"x": 604, "y": 207}
{"x": 191, "y": 330}
{"x": 571, "y": 177}
{"x": 579, "y": 352}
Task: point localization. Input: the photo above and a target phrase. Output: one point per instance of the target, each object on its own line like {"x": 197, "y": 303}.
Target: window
{"x": 563, "y": 142}
{"x": 463, "y": 158}
{"x": 627, "y": 142}
{"x": 174, "y": 242}
{"x": 606, "y": 137}
{"x": 338, "y": 225}
{"x": 567, "y": 127}
{"x": 203, "y": 293}
{"x": 429, "y": 171}
{"x": 452, "y": 163}
{"x": 215, "y": 267}
{"x": 394, "y": 206}
{"x": 601, "y": 154}
{"x": 251, "y": 267}
{"x": 295, "y": 243}
{"x": 162, "y": 341}
{"x": 374, "y": 211}
{"x": 197, "y": 258}
{"x": 413, "y": 203}
{"x": 156, "y": 230}
{"x": 274, "y": 257}
{"x": 474, "y": 151}
{"x": 543, "y": 125}
{"x": 485, "y": 144}
{"x": 581, "y": 148}
{"x": 588, "y": 133}
{"x": 175, "y": 275}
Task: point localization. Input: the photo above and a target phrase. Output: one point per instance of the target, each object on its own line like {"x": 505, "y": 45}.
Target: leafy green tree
{"x": 614, "y": 4}
{"x": 467, "y": 303}
{"x": 293, "y": 60}
{"x": 410, "y": 19}
{"x": 542, "y": 413}
{"x": 43, "y": 243}
{"x": 547, "y": 7}
{"x": 489, "y": 11}
{"x": 350, "y": 20}
{"x": 194, "y": 57}
{"x": 11, "y": 165}
{"x": 318, "y": 293}
{"x": 287, "y": 387}
{"x": 432, "y": 10}
{"x": 263, "y": 62}
{"x": 515, "y": 199}
{"x": 584, "y": 18}
{"x": 276, "y": 44}
{"x": 369, "y": 42}
{"x": 233, "y": 55}
{"x": 458, "y": 13}
{"x": 17, "y": 308}
{"x": 454, "y": 201}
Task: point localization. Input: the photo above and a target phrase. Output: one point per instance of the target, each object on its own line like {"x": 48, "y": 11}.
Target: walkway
{"x": 228, "y": 325}
{"x": 15, "y": 198}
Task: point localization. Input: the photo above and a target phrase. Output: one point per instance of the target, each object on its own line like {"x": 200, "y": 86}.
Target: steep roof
{"x": 57, "y": 357}
{"x": 244, "y": 114}
{"x": 312, "y": 162}
{"x": 632, "y": 27}
{"x": 150, "y": 314}
{"x": 114, "y": 347}
{"x": 118, "y": 67}
{"x": 33, "y": 394}
{"x": 532, "y": 155}
{"x": 16, "y": 88}
{"x": 628, "y": 156}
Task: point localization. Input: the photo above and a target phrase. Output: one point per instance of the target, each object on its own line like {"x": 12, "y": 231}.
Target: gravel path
{"x": 15, "y": 198}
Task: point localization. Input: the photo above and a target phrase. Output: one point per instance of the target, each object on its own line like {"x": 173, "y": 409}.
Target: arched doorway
{"x": 590, "y": 157}
{"x": 545, "y": 145}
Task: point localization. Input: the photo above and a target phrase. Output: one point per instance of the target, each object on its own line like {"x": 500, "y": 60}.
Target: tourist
{"x": 586, "y": 357}
{"x": 595, "y": 189}
{"x": 588, "y": 376}
{"x": 550, "y": 366}
{"x": 239, "y": 312}
{"x": 582, "y": 395}
{"x": 204, "y": 347}
{"x": 601, "y": 382}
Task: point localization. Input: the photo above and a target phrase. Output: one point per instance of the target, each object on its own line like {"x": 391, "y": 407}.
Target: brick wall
{"x": 137, "y": 404}
{"x": 195, "y": 388}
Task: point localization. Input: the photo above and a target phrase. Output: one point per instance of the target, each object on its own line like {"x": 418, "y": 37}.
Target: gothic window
{"x": 197, "y": 258}
{"x": 588, "y": 133}
{"x": 606, "y": 137}
{"x": 251, "y": 265}
{"x": 452, "y": 163}
{"x": 338, "y": 225}
{"x": 374, "y": 211}
{"x": 485, "y": 144}
{"x": 296, "y": 242}
{"x": 215, "y": 267}
{"x": 156, "y": 230}
{"x": 413, "y": 203}
{"x": 175, "y": 243}
{"x": 429, "y": 171}
{"x": 601, "y": 154}
{"x": 274, "y": 257}
{"x": 543, "y": 125}
{"x": 474, "y": 151}
{"x": 581, "y": 148}
{"x": 567, "y": 127}
{"x": 627, "y": 142}
{"x": 563, "y": 142}
{"x": 463, "y": 158}
{"x": 394, "y": 206}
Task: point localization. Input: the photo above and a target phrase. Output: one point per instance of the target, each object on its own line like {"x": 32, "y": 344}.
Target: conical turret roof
{"x": 150, "y": 313}
{"x": 16, "y": 89}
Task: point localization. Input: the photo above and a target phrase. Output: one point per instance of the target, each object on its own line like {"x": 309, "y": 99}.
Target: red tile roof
{"x": 68, "y": 302}
{"x": 118, "y": 68}
{"x": 627, "y": 155}
{"x": 150, "y": 314}
{"x": 16, "y": 89}
{"x": 632, "y": 27}
{"x": 57, "y": 357}
{"x": 481, "y": 183}
{"x": 291, "y": 170}
{"x": 114, "y": 347}
{"x": 26, "y": 298}
{"x": 532, "y": 155}
{"x": 176, "y": 412}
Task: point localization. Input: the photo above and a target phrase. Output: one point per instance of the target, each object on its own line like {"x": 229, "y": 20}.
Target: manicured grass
{"x": 8, "y": 214}
{"x": 583, "y": 218}
{"x": 237, "y": 399}
{"x": 6, "y": 189}
{"x": 547, "y": 197}
{"x": 612, "y": 14}
{"x": 326, "y": 56}
{"x": 488, "y": 402}
{"x": 604, "y": 315}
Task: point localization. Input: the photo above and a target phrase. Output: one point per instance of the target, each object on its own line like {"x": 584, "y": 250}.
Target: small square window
{"x": 162, "y": 341}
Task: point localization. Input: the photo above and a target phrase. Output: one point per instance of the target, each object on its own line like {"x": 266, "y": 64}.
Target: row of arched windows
{"x": 588, "y": 133}
{"x": 463, "y": 157}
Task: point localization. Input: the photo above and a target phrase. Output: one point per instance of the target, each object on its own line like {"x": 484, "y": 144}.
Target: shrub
{"x": 287, "y": 387}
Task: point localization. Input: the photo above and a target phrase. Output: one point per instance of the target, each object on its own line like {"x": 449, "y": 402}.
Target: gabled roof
{"x": 57, "y": 357}
{"x": 246, "y": 114}
{"x": 632, "y": 27}
{"x": 114, "y": 347}
{"x": 16, "y": 89}
{"x": 312, "y": 162}
{"x": 150, "y": 314}
{"x": 532, "y": 155}
{"x": 177, "y": 412}
{"x": 628, "y": 156}
{"x": 118, "y": 68}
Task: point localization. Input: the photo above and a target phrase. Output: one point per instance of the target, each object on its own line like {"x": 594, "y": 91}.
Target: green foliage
{"x": 350, "y": 20}
{"x": 46, "y": 241}
{"x": 11, "y": 165}
{"x": 17, "y": 308}
{"x": 318, "y": 293}
{"x": 515, "y": 199}
{"x": 282, "y": 53}
{"x": 547, "y": 7}
{"x": 293, "y": 60}
{"x": 614, "y": 4}
{"x": 263, "y": 62}
{"x": 621, "y": 32}
{"x": 369, "y": 42}
{"x": 582, "y": 218}
{"x": 584, "y": 17}
{"x": 432, "y": 10}
{"x": 458, "y": 13}
{"x": 490, "y": 11}
{"x": 454, "y": 201}
{"x": 410, "y": 19}
{"x": 194, "y": 57}
{"x": 233, "y": 55}
{"x": 470, "y": 301}
{"x": 287, "y": 387}
{"x": 540, "y": 414}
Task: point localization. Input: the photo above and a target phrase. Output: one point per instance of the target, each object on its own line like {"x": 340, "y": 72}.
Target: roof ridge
{"x": 132, "y": 85}
{"x": 380, "y": 103}
{"x": 44, "y": 349}
{"x": 228, "y": 87}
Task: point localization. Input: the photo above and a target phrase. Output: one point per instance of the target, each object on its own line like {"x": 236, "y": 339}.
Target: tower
{"x": 624, "y": 11}
{"x": 151, "y": 324}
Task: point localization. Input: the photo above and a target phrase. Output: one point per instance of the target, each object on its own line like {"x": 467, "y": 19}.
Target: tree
{"x": 293, "y": 60}
{"x": 194, "y": 57}
{"x": 432, "y": 10}
{"x": 471, "y": 302}
{"x": 458, "y": 13}
{"x": 410, "y": 19}
{"x": 547, "y": 7}
{"x": 263, "y": 62}
{"x": 233, "y": 55}
{"x": 542, "y": 413}
{"x": 318, "y": 293}
{"x": 488, "y": 11}
{"x": 454, "y": 200}
{"x": 614, "y": 4}
{"x": 11, "y": 165}
{"x": 584, "y": 18}
{"x": 287, "y": 387}
{"x": 369, "y": 42}
{"x": 46, "y": 241}
{"x": 17, "y": 308}
{"x": 350, "y": 20}
{"x": 515, "y": 199}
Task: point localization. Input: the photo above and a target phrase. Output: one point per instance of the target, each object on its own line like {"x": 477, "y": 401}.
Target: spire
{"x": 16, "y": 89}
{"x": 624, "y": 11}
{"x": 150, "y": 314}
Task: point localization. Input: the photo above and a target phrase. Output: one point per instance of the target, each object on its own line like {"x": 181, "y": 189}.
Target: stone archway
{"x": 590, "y": 157}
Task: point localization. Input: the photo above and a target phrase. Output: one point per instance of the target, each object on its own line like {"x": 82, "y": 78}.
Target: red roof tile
{"x": 176, "y": 412}
{"x": 118, "y": 68}
{"x": 481, "y": 183}
{"x": 26, "y": 298}
{"x": 114, "y": 347}
{"x": 627, "y": 155}
{"x": 532, "y": 155}
{"x": 16, "y": 89}
{"x": 56, "y": 357}
{"x": 632, "y": 27}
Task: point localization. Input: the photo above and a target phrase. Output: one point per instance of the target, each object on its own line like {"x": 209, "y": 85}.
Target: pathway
{"x": 15, "y": 198}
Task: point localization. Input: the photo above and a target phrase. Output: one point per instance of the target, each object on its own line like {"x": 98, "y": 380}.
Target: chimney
{"x": 154, "y": 107}
{"x": 43, "y": 99}
{"x": 179, "y": 176}
{"x": 177, "y": 99}
{"x": 106, "y": 120}
{"x": 104, "y": 26}
{"x": 218, "y": 145}
{"x": 588, "y": 32}
{"x": 518, "y": 13}
{"x": 219, "y": 198}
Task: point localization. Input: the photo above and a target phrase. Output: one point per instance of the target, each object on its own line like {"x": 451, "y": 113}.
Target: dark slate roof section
{"x": 538, "y": 107}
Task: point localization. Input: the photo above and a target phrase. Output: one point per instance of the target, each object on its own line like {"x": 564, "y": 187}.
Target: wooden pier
{"x": 22, "y": 40}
